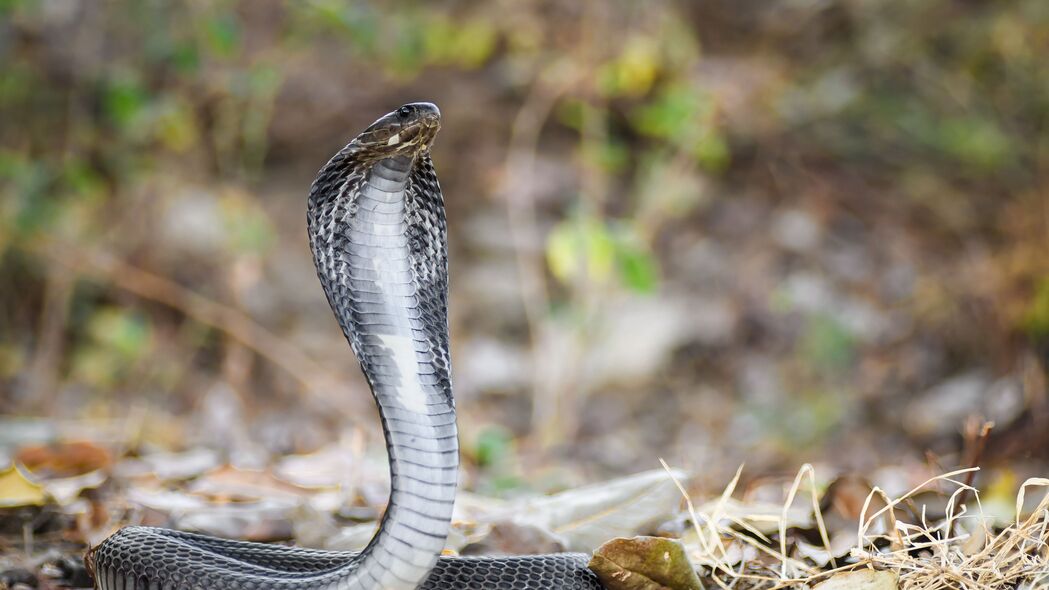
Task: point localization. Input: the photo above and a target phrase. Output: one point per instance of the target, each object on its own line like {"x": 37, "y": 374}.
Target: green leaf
{"x": 633, "y": 71}
{"x": 590, "y": 245}
{"x": 124, "y": 100}
{"x": 571, "y": 112}
{"x": 494, "y": 445}
{"x": 126, "y": 333}
{"x": 581, "y": 246}
{"x": 82, "y": 178}
{"x": 712, "y": 152}
{"x": 467, "y": 45}
{"x": 249, "y": 228}
{"x": 974, "y": 141}
{"x": 175, "y": 126}
{"x": 223, "y": 35}
{"x": 827, "y": 344}
{"x": 185, "y": 58}
{"x": 638, "y": 270}
{"x": 672, "y": 115}
{"x": 10, "y": 6}
{"x": 611, "y": 156}
{"x": 1036, "y": 319}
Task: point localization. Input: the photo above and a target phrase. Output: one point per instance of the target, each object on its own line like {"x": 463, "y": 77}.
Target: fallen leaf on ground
{"x": 326, "y": 468}
{"x": 514, "y": 538}
{"x": 588, "y": 516}
{"x": 644, "y": 563}
{"x": 17, "y": 490}
{"x": 64, "y": 459}
{"x": 229, "y": 484}
{"x": 265, "y": 519}
{"x": 170, "y": 466}
{"x": 67, "y": 490}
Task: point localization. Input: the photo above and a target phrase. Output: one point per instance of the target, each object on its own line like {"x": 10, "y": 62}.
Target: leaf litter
{"x": 936, "y": 535}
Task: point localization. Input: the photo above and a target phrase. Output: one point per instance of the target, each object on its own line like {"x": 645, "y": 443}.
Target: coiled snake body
{"x": 377, "y": 230}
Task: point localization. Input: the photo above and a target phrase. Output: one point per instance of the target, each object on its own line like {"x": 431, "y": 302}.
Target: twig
{"x": 524, "y": 233}
{"x": 51, "y": 343}
{"x": 976, "y": 442}
{"x": 229, "y": 320}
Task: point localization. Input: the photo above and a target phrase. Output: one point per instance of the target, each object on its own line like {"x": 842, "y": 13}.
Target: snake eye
{"x": 404, "y": 111}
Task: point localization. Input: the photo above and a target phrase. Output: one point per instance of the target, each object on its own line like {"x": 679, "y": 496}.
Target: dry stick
{"x": 47, "y": 356}
{"x": 232, "y": 321}
{"x": 521, "y": 218}
{"x": 977, "y": 442}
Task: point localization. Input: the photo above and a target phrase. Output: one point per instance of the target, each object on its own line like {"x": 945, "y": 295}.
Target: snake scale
{"x": 377, "y": 229}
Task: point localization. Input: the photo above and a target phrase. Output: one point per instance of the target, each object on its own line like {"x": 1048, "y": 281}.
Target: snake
{"x": 378, "y": 232}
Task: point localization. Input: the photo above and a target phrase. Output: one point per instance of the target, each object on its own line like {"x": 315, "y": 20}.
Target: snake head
{"x": 406, "y": 131}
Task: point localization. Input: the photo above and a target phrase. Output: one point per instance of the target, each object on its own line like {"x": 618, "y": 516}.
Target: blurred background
{"x": 713, "y": 232}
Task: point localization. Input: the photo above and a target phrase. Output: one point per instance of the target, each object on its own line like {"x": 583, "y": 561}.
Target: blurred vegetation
{"x": 915, "y": 131}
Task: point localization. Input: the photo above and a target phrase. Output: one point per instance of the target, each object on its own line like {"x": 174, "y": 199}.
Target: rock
{"x": 637, "y": 335}
{"x": 17, "y": 576}
{"x": 485, "y": 364}
{"x": 942, "y": 409}
{"x": 860, "y": 580}
{"x": 795, "y": 230}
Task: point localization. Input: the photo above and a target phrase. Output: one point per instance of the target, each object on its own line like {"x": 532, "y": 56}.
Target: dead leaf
{"x": 228, "y": 484}
{"x": 170, "y": 466}
{"x": 588, "y": 516}
{"x": 64, "y": 459}
{"x": 843, "y": 505}
{"x": 326, "y": 468}
{"x": 265, "y": 519}
{"x": 514, "y": 538}
{"x": 17, "y": 490}
{"x": 644, "y": 563}
{"x": 841, "y": 544}
{"x": 760, "y": 516}
{"x": 860, "y": 580}
{"x": 67, "y": 490}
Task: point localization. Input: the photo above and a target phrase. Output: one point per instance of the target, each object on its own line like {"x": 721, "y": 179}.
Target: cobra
{"x": 376, "y": 224}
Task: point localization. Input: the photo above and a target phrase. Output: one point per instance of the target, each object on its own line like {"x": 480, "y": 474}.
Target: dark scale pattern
{"x": 378, "y": 233}
{"x": 154, "y": 551}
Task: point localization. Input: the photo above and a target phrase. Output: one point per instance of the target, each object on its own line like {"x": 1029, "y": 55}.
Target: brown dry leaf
{"x": 228, "y": 484}
{"x": 17, "y": 490}
{"x": 860, "y": 580}
{"x": 644, "y": 563}
{"x": 227, "y": 502}
{"x": 64, "y": 459}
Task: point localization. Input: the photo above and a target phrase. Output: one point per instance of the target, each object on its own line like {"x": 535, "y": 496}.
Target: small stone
{"x": 860, "y": 580}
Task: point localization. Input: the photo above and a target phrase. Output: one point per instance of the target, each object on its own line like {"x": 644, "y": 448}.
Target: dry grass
{"x": 961, "y": 548}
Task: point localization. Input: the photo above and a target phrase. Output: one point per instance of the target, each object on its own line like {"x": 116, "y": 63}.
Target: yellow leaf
{"x": 16, "y": 490}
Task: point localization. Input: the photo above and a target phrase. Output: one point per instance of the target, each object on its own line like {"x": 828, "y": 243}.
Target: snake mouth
{"x": 409, "y": 129}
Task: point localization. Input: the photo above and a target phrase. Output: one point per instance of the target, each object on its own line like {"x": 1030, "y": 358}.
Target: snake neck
{"x": 367, "y": 250}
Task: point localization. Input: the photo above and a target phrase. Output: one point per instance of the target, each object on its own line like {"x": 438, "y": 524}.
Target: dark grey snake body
{"x": 377, "y": 230}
